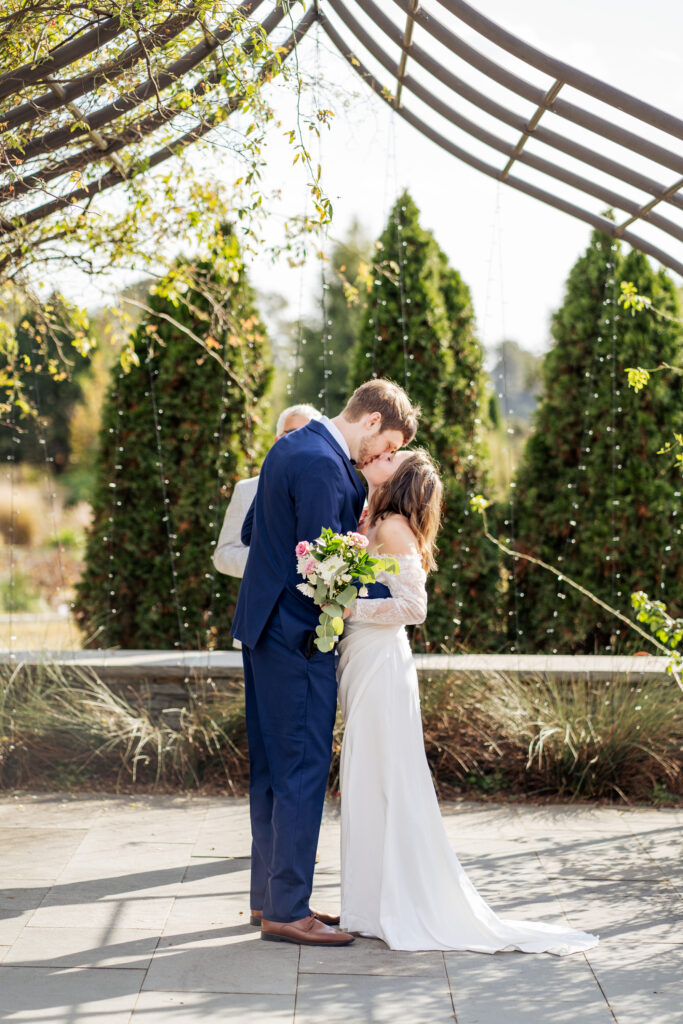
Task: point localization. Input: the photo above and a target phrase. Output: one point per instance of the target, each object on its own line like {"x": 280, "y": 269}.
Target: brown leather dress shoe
{"x": 309, "y": 931}
{"x": 256, "y": 915}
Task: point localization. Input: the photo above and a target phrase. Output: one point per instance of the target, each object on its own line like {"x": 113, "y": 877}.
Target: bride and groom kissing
{"x": 401, "y": 880}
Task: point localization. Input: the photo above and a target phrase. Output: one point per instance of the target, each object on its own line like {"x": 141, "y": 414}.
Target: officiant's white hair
{"x": 309, "y": 411}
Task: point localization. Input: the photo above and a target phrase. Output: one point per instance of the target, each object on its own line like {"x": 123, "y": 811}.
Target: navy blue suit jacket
{"x": 306, "y": 483}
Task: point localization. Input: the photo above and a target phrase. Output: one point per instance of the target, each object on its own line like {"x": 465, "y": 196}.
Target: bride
{"x": 401, "y": 880}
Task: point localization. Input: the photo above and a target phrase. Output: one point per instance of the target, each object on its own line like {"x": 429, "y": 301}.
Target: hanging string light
{"x": 323, "y": 240}
{"x": 325, "y": 334}
{"x": 167, "y": 516}
{"x": 592, "y": 375}
{"x": 400, "y": 245}
{"x": 377, "y": 272}
{"x": 11, "y": 460}
{"x": 216, "y": 513}
{"x": 51, "y": 496}
{"x": 115, "y": 500}
{"x": 616, "y": 448}
{"x": 296, "y": 368}
{"x": 504, "y": 397}
{"x": 216, "y": 508}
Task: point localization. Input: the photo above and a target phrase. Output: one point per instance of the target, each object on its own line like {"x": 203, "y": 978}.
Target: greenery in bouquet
{"x": 330, "y": 565}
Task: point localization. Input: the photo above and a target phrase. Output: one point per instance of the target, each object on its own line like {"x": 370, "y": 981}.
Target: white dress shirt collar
{"x": 336, "y": 434}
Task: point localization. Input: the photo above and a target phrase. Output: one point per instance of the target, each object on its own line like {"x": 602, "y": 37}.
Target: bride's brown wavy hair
{"x": 415, "y": 491}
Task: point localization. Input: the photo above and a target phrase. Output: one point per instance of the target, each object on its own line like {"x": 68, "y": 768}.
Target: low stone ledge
{"x": 158, "y": 667}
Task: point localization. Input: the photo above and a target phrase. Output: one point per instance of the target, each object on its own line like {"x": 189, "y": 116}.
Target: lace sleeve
{"x": 408, "y": 602}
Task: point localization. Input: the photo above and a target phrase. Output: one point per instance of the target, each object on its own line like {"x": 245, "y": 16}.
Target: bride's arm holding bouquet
{"x": 407, "y": 605}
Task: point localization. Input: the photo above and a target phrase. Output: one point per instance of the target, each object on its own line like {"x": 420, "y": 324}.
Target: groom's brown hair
{"x": 390, "y": 401}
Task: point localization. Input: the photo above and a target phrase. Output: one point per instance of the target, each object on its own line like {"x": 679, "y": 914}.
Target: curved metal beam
{"x": 114, "y": 177}
{"x": 558, "y": 69}
{"x": 123, "y": 104}
{"x": 510, "y": 150}
{"x": 569, "y": 111}
{"x": 131, "y": 133}
{"x": 32, "y": 109}
{"x": 29, "y": 74}
{"x": 602, "y": 224}
{"x": 540, "y": 133}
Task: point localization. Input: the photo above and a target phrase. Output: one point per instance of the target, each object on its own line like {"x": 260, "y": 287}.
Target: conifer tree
{"x": 593, "y": 497}
{"x": 178, "y": 430}
{"x": 325, "y": 348}
{"x": 418, "y": 329}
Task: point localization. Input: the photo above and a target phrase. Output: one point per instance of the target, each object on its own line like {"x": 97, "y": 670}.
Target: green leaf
{"x": 347, "y": 597}
{"x": 389, "y": 565}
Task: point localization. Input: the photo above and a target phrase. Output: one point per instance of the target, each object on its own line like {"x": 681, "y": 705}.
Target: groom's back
{"x": 284, "y": 470}
{"x": 303, "y": 486}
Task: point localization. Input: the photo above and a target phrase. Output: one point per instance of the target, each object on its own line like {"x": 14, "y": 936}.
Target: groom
{"x": 307, "y": 482}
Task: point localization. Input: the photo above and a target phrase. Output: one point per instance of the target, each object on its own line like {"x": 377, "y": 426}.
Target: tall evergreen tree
{"x": 418, "y": 329}
{"x": 593, "y": 496}
{"x": 340, "y": 315}
{"x": 177, "y": 431}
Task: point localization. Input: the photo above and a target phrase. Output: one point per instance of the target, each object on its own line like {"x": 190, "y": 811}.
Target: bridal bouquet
{"x": 329, "y": 565}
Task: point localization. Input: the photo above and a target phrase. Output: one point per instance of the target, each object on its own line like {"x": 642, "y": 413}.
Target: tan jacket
{"x": 230, "y": 556}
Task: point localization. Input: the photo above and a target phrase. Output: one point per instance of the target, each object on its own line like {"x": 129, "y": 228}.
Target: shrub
{"x": 594, "y": 498}
{"x": 48, "y": 346}
{"x": 66, "y": 537}
{"x": 178, "y": 430}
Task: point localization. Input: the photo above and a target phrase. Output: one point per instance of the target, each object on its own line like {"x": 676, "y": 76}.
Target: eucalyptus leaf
{"x": 347, "y": 596}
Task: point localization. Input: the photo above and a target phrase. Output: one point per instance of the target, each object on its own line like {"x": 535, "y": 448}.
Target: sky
{"x": 513, "y": 251}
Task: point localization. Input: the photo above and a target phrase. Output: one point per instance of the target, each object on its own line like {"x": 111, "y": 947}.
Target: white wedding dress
{"x": 401, "y": 880}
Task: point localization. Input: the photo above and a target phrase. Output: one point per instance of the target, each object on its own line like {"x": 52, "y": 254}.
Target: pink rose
{"x": 359, "y": 539}
{"x": 302, "y": 548}
{"x": 310, "y": 567}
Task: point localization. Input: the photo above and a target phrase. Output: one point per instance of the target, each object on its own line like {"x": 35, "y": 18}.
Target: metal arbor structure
{"x": 610, "y": 146}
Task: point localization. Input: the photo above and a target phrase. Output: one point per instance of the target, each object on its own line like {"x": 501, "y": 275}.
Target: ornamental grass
{"x": 68, "y": 728}
{"x": 499, "y": 737}
{"x": 575, "y": 738}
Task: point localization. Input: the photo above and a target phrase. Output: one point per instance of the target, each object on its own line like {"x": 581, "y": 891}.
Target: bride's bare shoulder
{"x": 394, "y": 536}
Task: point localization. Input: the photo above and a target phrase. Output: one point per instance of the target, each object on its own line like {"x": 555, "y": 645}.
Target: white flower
{"x": 330, "y": 567}
{"x": 346, "y": 577}
{"x": 306, "y": 589}
{"x": 363, "y": 592}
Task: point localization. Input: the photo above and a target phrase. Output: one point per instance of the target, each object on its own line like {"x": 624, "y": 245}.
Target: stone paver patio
{"x": 131, "y": 910}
